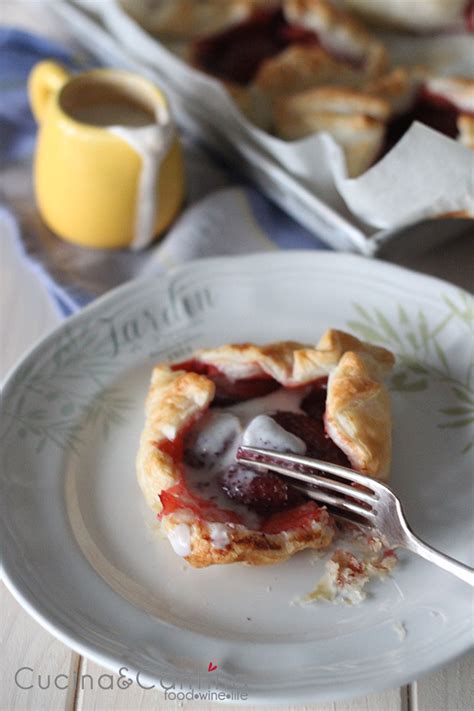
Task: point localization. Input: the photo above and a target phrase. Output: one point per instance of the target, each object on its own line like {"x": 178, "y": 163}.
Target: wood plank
{"x": 390, "y": 700}
{"x": 93, "y": 696}
{"x": 449, "y": 689}
{"x": 33, "y": 658}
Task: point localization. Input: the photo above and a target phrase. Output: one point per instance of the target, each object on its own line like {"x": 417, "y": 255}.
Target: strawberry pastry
{"x": 327, "y": 402}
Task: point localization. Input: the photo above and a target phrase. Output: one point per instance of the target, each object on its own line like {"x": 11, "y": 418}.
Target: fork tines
{"x": 359, "y": 494}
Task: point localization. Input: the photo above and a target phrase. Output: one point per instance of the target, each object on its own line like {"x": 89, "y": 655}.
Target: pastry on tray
{"x": 328, "y": 402}
{"x": 421, "y": 16}
{"x": 296, "y": 67}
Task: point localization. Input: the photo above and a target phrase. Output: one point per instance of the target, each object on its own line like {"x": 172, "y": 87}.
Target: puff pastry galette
{"x": 327, "y": 401}
{"x": 297, "y": 67}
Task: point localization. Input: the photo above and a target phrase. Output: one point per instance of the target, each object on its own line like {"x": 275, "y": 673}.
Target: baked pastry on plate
{"x": 327, "y": 401}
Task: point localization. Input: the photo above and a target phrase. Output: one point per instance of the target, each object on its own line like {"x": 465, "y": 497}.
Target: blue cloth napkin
{"x": 20, "y": 51}
{"x": 223, "y": 216}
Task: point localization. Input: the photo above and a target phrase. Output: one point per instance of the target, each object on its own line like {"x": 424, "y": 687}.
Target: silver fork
{"x": 374, "y": 505}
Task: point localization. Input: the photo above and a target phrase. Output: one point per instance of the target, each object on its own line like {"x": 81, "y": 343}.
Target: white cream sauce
{"x": 152, "y": 142}
{"x": 180, "y": 539}
{"x": 219, "y": 434}
{"x": 216, "y": 436}
{"x": 264, "y": 432}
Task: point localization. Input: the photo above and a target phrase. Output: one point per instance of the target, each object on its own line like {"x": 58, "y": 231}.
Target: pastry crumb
{"x": 348, "y": 573}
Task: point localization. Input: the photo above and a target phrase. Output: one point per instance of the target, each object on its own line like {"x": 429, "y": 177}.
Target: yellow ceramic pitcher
{"x": 95, "y": 185}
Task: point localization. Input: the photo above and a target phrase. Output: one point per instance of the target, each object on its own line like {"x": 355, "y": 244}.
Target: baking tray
{"x": 337, "y": 227}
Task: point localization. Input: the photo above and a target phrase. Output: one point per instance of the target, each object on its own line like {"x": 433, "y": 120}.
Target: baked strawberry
{"x": 262, "y": 491}
{"x": 312, "y": 432}
{"x": 314, "y": 404}
{"x": 229, "y": 392}
{"x": 303, "y": 516}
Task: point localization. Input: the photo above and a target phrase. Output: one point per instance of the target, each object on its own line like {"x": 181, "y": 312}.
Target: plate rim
{"x": 303, "y": 692}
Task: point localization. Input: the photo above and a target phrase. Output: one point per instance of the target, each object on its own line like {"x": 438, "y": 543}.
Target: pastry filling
{"x": 237, "y": 53}
{"x": 433, "y": 110}
{"x": 255, "y": 412}
{"x": 469, "y": 16}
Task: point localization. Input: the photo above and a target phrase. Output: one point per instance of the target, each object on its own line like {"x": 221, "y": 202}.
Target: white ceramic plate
{"x": 80, "y": 550}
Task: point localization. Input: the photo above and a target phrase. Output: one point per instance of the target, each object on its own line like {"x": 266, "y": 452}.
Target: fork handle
{"x": 460, "y": 570}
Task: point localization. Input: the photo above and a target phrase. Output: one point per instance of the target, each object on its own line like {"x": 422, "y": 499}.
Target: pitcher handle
{"x": 46, "y": 79}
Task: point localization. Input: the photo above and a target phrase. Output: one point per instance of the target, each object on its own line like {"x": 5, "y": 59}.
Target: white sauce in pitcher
{"x": 150, "y": 136}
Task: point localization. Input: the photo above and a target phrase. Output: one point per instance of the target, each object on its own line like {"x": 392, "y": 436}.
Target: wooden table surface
{"x": 62, "y": 680}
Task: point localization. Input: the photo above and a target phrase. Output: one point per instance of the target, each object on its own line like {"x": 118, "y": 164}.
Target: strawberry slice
{"x": 469, "y": 16}
{"x": 262, "y": 491}
{"x": 314, "y": 404}
{"x": 301, "y": 516}
{"x": 229, "y": 393}
{"x": 178, "y": 497}
{"x": 312, "y": 432}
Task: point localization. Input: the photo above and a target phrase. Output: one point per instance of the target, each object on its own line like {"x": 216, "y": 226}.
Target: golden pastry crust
{"x": 289, "y": 362}
{"x": 339, "y": 100}
{"x": 354, "y": 119}
{"x": 346, "y": 53}
{"x": 360, "y": 137}
{"x": 456, "y": 214}
{"x": 298, "y": 68}
{"x": 357, "y": 414}
{"x": 399, "y": 87}
{"x": 338, "y": 33}
{"x": 174, "y": 401}
{"x": 247, "y": 546}
{"x": 177, "y": 398}
{"x": 465, "y": 124}
{"x": 457, "y": 91}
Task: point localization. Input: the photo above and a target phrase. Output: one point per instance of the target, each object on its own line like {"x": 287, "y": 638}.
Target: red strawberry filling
{"x": 263, "y": 491}
{"x": 180, "y": 497}
{"x": 229, "y": 392}
{"x": 215, "y": 487}
{"x": 432, "y": 110}
{"x": 301, "y": 516}
{"x": 312, "y": 432}
{"x": 469, "y": 16}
